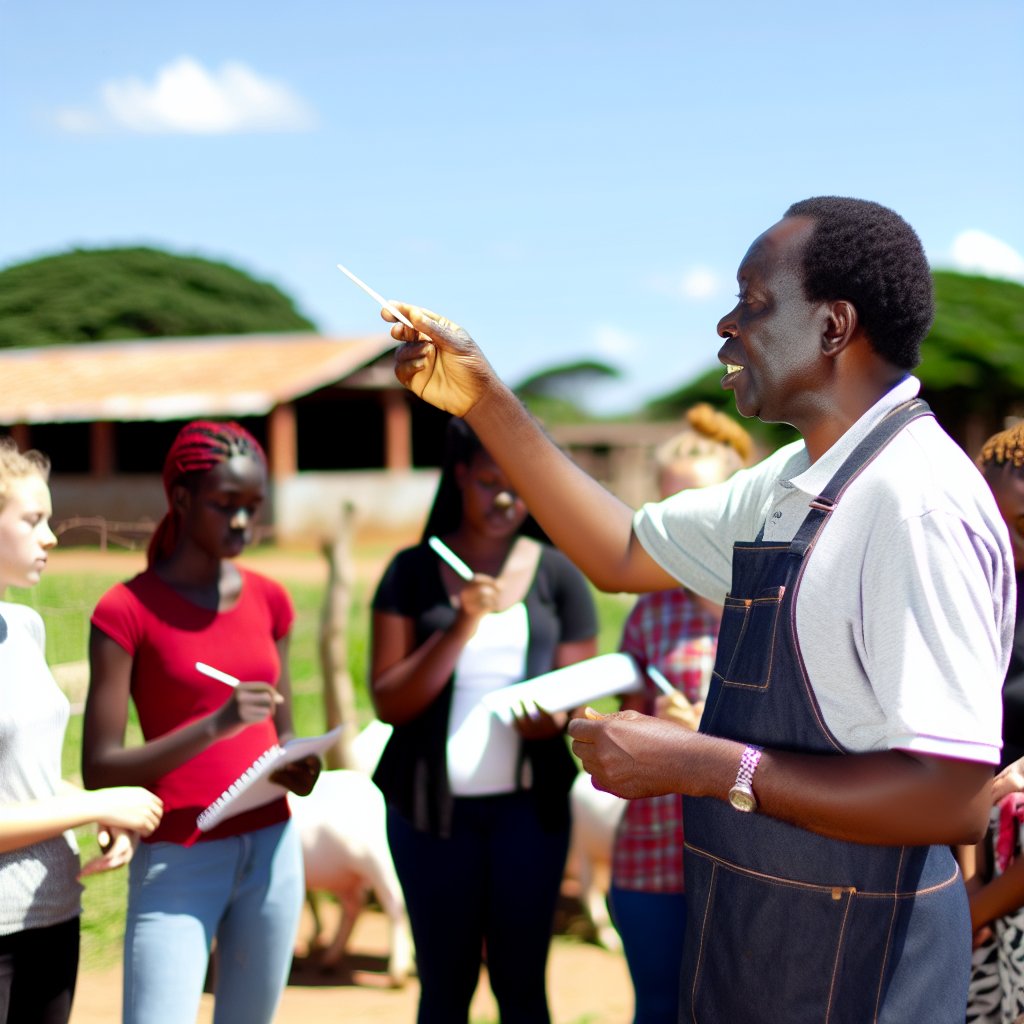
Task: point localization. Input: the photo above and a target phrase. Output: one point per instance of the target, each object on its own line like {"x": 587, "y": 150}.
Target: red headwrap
{"x": 199, "y": 446}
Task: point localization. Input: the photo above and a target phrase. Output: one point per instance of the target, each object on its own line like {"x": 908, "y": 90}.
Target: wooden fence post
{"x": 339, "y": 693}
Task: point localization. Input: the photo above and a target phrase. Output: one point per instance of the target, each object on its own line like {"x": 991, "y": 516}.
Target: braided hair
{"x": 199, "y": 446}
{"x": 1004, "y": 449}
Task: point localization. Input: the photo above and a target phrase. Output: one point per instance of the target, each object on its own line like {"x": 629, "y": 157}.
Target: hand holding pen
{"x": 672, "y": 704}
{"x": 481, "y": 594}
{"x": 250, "y": 702}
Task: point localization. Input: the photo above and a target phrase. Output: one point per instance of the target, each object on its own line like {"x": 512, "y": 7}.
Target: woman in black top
{"x": 478, "y": 812}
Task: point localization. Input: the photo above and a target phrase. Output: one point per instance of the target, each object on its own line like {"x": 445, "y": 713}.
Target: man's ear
{"x": 840, "y": 327}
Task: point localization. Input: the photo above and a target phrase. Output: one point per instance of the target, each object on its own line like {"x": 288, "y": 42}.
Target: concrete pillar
{"x": 397, "y": 430}
{"x": 102, "y": 454}
{"x": 282, "y": 442}
{"x": 22, "y": 435}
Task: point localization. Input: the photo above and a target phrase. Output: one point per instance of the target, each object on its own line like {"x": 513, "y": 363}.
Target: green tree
{"x": 109, "y": 294}
{"x": 973, "y": 360}
{"x": 554, "y": 395}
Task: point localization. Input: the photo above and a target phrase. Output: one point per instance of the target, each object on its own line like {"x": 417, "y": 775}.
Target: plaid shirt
{"x": 676, "y": 633}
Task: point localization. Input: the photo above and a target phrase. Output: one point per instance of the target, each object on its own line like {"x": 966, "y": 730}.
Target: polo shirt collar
{"x": 813, "y": 480}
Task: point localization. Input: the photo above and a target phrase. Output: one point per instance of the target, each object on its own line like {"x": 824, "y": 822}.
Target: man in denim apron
{"x": 868, "y": 587}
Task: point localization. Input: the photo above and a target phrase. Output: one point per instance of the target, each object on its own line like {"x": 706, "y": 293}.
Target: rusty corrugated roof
{"x": 174, "y": 378}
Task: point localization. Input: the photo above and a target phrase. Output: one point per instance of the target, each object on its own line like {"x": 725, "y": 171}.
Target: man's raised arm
{"x": 442, "y": 364}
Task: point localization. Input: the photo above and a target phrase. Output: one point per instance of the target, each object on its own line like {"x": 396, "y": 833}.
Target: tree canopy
{"x": 977, "y": 340}
{"x": 554, "y": 395}
{"x": 110, "y": 294}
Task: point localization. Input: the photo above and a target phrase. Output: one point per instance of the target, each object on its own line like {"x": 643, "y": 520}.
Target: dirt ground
{"x": 586, "y": 985}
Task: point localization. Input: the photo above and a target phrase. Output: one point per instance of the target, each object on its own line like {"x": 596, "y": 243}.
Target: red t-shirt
{"x": 166, "y": 635}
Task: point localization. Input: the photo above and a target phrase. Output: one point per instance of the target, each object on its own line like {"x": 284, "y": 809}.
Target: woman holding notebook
{"x": 478, "y": 811}
{"x": 240, "y": 883}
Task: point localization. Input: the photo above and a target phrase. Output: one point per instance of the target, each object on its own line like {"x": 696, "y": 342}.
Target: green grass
{"x": 66, "y": 600}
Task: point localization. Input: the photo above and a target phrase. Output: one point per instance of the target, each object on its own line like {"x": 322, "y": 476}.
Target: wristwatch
{"x": 741, "y": 796}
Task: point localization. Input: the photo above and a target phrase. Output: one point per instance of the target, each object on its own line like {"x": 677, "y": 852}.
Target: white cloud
{"x": 976, "y": 252}
{"x": 699, "y": 283}
{"x": 613, "y": 343}
{"x": 696, "y": 284}
{"x": 187, "y": 99}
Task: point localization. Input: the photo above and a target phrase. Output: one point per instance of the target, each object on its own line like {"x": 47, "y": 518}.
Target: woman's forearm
{"x": 406, "y": 688}
{"x": 117, "y": 765}
{"x": 999, "y": 897}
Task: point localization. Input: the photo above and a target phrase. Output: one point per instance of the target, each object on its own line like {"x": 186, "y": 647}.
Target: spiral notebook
{"x": 253, "y": 787}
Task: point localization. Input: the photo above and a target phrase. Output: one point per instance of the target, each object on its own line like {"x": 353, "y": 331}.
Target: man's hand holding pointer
{"x": 439, "y": 361}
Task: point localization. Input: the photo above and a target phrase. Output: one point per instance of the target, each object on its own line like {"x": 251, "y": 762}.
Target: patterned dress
{"x": 996, "y": 993}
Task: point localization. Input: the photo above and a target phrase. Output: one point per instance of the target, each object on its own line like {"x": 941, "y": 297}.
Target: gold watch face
{"x": 742, "y": 798}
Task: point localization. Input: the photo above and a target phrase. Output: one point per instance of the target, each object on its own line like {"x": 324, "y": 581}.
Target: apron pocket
{"x": 762, "y": 950}
{"x": 746, "y": 639}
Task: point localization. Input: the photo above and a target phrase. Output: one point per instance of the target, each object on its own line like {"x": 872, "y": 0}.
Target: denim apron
{"x": 785, "y": 926}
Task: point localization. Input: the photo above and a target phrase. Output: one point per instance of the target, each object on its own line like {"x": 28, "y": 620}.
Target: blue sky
{"x": 568, "y": 180}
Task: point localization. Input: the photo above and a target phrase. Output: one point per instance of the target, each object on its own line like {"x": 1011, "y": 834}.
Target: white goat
{"x": 595, "y": 818}
{"x": 343, "y": 828}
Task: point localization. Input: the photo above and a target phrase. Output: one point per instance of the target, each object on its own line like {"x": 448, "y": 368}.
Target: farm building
{"x": 336, "y": 424}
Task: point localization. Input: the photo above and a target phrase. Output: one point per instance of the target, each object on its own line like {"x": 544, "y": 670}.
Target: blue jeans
{"x": 651, "y": 925}
{"x": 492, "y": 884}
{"x": 246, "y": 891}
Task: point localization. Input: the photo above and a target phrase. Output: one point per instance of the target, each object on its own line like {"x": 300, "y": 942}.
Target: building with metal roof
{"x": 336, "y": 424}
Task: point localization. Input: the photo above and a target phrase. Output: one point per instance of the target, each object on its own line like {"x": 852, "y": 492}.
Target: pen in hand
{"x": 446, "y": 554}
{"x": 660, "y": 681}
{"x": 215, "y": 673}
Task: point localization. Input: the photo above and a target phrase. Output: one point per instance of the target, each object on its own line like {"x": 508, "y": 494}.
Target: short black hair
{"x": 869, "y": 255}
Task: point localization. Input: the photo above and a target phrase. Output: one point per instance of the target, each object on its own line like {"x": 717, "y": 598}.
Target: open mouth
{"x": 732, "y": 372}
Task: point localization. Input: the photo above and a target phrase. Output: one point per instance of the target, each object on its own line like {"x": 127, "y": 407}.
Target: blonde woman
{"x": 40, "y": 893}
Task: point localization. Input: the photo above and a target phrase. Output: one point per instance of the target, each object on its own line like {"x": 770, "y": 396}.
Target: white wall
{"x": 308, "y": 506}
{"x": 303, "y": 509}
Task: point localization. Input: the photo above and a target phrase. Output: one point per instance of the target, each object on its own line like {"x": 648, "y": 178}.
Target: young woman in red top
{"x": 242, "y": 882}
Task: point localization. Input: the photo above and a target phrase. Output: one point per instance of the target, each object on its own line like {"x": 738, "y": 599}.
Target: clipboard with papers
{"x": 569, "y": 687}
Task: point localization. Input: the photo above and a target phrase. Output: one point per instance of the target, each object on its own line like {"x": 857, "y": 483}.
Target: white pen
{"x": 215, "y": 673}
{"x": 446, "y": 553}
{"x": 660, "y": 681}
{"x": 377, "y": 297}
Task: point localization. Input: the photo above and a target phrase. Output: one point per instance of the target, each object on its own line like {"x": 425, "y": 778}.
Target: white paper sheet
{"x": 569, "y": 687}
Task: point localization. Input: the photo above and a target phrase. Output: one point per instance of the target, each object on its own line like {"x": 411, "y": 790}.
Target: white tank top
{"x": 482, "y": 752}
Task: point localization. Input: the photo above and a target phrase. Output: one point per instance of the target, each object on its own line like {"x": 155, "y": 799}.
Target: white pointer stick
{"x": 446, "y": 553}
{"x": 660, "y": 681}
{"x": 379, "y": 299}
{"x": 215, "y": 673}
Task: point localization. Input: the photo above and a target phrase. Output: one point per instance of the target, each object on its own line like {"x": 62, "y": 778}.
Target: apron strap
{"x": 824, "y": 504}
